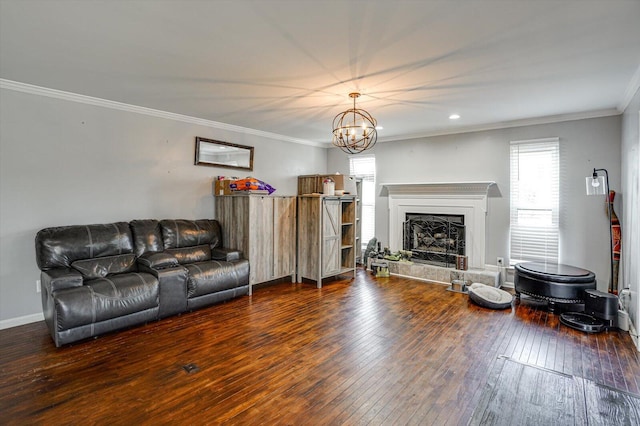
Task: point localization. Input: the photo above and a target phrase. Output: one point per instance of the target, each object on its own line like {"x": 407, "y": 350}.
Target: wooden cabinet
{"x": 308, "y": 184}
{"x": 326, "y": 236}
{"x": 264, "y": 228}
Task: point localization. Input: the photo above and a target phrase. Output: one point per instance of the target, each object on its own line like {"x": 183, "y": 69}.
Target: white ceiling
{"x": 286, "y": 67}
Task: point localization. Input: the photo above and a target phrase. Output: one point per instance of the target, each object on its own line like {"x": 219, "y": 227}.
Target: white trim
{"x": 632, "y": 88}
{"x": 74, "y": 97}
{"x": 634, "y": 334}
{"x": 541, "y": 140}
{"x": 534, "y": 241}
{"x": 15, "y": 322}
{"x": 507, "y": 124}
{"x": 89, "y": 100}
{"x": 435, "y": 187}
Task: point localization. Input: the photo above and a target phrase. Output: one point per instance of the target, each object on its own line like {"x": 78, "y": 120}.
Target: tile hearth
{"x": 423, "y": 271}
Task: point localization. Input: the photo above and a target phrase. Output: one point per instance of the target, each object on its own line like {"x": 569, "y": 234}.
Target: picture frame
{"x": 214, "y": 153}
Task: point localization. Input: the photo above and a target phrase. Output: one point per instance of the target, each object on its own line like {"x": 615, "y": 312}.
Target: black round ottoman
{"x": 553, "y": 282}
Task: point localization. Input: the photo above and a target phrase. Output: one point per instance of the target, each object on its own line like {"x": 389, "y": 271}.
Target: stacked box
{"x": 310, "y": 184}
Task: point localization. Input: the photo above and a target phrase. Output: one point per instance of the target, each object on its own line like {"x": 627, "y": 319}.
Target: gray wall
{"x": 484, "y": 156}
{"x": 630, "y": 220}
{"x": 65, "y": 163}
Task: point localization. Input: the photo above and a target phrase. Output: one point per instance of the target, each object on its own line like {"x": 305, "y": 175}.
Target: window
{"x": 364, "y": 166}
{"x": 534, "y": 200}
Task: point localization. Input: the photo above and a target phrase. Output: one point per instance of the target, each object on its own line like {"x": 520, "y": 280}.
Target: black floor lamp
{"x": 599, "y": 185}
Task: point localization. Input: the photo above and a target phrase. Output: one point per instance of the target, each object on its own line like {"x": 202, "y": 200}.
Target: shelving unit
{"x": 310, "y": 184}
{"x": 326, "y": 236}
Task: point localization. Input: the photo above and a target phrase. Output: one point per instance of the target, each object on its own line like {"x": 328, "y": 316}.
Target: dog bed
{"x": 489, "y": 297}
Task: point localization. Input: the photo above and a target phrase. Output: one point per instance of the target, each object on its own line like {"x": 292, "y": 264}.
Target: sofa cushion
{"x": 105, "y": 298}
{"x": 58, "y": 247}
{"x": 102, "y": 266}
{"x": 178, "y": 233}
{"x": 191, "y": 254}
{"x": 213, "y": 276}
{"x": 158, "y": 260}
{"x": 147, "y": 236}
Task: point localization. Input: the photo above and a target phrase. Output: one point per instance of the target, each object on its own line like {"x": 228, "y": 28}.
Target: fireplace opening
{"x": 434, "y": 238}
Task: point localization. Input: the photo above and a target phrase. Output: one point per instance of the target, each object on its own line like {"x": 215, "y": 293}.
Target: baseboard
{"x": 634, "y": 335}
{"x": 27, "y": 319}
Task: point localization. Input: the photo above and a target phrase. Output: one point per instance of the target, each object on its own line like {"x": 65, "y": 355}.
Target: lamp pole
{"x": 606, "y": 175}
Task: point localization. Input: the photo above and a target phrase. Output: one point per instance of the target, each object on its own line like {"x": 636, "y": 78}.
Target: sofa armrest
{"x": 173, "y": 288}
{"x": 60, "y": 278}
{"x": 226, "y": 254}
{"x": 52, "y": 281}
{"x": 157, "y": 260}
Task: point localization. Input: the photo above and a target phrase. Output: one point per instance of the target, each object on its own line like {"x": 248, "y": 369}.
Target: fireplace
{"x": 466, "y": 199}
{"x": 434, "y": 238}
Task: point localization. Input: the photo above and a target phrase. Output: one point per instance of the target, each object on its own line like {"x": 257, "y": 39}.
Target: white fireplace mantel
{"x": 460, "y": 198}
{"x": 449, "y": 188}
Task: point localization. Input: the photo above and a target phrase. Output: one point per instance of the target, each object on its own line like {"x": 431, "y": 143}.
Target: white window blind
{"x": 534, "y": 200}
{"x": 364, "y": 166}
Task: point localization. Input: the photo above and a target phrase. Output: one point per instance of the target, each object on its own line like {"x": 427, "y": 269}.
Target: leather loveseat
{"x": 100, "y": 278}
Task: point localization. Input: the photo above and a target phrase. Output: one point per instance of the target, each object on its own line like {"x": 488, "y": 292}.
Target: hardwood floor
{"x": 385, "y": 351}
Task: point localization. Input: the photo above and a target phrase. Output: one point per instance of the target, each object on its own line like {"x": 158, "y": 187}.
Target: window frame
{"x": 534, "y": 197}
{"x": 370, "y": 206}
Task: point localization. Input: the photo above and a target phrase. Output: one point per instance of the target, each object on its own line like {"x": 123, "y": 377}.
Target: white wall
{"x": 65, "y": 163}
{"x": 484, "y": 156}
{"x": 630, "y": 220}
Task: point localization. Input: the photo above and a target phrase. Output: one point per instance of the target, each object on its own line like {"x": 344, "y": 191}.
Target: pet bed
{"x": 489, "y": 297}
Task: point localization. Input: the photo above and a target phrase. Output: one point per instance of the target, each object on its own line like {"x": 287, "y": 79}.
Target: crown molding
{"x": 90, "y": 100}
{"x": 510, "y": 124}
{"x": 632, "y": 88}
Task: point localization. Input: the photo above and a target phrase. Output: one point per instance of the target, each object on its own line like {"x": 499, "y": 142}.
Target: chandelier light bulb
{"x": 595, "y": 183}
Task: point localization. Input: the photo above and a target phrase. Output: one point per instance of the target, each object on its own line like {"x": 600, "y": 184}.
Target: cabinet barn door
{"x": 284, "y": 236}
{"x": 261, "y": 244}
{"x": 331, "y": 236}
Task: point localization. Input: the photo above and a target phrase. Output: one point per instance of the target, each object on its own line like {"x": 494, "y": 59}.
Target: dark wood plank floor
{"x": 385, "y": 351}
{"x": 547, "y": 397}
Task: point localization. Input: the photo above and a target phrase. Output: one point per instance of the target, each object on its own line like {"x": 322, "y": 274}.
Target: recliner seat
{"x": 100, "y": 278}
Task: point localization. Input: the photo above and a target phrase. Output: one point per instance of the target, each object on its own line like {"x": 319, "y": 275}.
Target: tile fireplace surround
{"x": 458, "y": 198}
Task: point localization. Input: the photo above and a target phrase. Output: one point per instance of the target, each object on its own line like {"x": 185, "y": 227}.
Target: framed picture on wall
{"x": 214, "y": 153}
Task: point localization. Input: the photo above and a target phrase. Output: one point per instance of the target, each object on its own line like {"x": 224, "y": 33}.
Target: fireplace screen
{"x": 434, "y": 239}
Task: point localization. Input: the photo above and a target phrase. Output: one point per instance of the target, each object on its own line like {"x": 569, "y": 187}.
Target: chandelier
{"x": 354, "y": 130}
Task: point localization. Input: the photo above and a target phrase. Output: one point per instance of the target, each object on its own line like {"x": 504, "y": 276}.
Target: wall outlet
{"x": 37, "y": 286}
{"x": 500, "y": 261}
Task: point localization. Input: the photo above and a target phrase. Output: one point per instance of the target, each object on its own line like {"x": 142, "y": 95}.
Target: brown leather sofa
{"x": 100, "y": 278}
